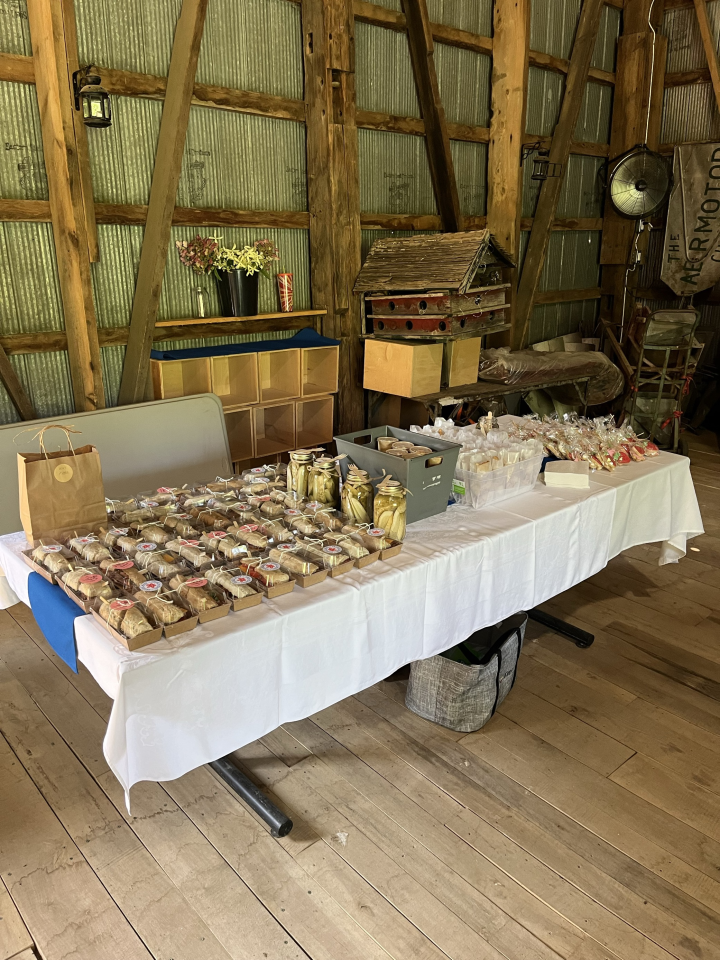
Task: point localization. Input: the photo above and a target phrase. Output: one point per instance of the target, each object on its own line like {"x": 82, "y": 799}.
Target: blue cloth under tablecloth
{"x": 55, "y": 614}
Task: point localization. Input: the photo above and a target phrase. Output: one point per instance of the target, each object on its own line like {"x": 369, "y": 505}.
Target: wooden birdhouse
{"x": 435, "y": 285}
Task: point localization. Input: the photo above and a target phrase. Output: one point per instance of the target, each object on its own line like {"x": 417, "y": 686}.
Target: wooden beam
{"x": 373, "y": 120}
{"x": 558, "y": 65}
{"x": 701, "y": 75}
{"x": 86, "y": 186}
{"x": 582, "y": 52}
{"x": 16, "y": 68}
{"x": 166, "y": 175}
{"x": 66, "y": 206}
{"x": 709, "y": 47}
{"x": 508, "y": 100}
{"x": 15, "y": 389}
{"x": 436, "y": 133}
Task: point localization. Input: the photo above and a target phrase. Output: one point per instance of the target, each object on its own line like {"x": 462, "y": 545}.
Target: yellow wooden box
{"x": 403, "y": 369}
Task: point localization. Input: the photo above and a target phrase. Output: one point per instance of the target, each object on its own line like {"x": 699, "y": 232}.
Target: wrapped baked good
{"x": 268, "y": 573}
{"x": 124, "y": 574}
{"x": 353, "y": 548}
{"x": 124, "y": 616}
{"x": 138, "y": 514}
{"x": 86, "y": 583}
{"x": 330, "y": 520}
{"x": 213, "y": 519}
{"x": 304, "y": 525}
{"x": 189, "y": 550}
{"x": 154, "y": 533}
{"x": 128, "y": 544}
{"x": 109, "y": 535}
{"x": 290, "y": 562}
{"x": 238, "y": 586}
{"x": 248, "y": 533}
{"x": 193, "y": 591}
{"x": 326, "y": 555}
{"x": 52, "y": 557}
{"x": 271, "y": 509}
{"x": 275, "y": 530}
{"x": 89, "y": 548}
{"x": 160, "y": 603}
{"x": 162, "y": 565}
{"x": 374, "y": 538}
{"x": 183, "y": 524}
{"x": 243, "y": 511}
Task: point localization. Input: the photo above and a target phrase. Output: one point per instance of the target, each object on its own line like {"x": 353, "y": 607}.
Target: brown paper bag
{"x": 61, "y": 492}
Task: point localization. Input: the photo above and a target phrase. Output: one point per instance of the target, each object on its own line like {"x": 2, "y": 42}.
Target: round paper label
{"x": 241, "y": 580}
{"x": 120, "y": 531}
{"x": 146, "y": 547}
{"x": 261, "y": 499}
{"x": 164, "y": 489}
{"x": 189, "y": 543}
{"x": 293, "y": 513}
{"x": 377, "y": 532}
{"x": 121, "y": 604}
{"x": 84, "y": 540}
{"x": 215, "y": 535}
{"x": 123, "y": 565}
{"x": 270, "y": 565}
{"x": 314, "y": 505}
{"x": 91, "y": 578}
{"x": 150, "y": 586}
{"x": 333, "y": 549}
{"x": 285, "y": 546}
{"x": 196, "y": 582}
{"x": 242, "y": 505}
{"x": 53, "y": 548}
{"x": 63, "y": 473}
{"x": 149, "y": 503}
{"x": 248, "y": 527}
{"x": 257, "y": 470}
{"x": 184, "y": 516}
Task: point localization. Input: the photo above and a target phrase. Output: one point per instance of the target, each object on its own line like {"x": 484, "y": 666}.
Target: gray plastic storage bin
{"x": 430, "y": 485}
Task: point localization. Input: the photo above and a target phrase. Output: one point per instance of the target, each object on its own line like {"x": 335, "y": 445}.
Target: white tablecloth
{"x": 183, "y": 702}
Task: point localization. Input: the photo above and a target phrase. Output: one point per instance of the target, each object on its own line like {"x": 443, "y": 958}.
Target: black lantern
{"x": 542, "y": 168}
{"x": 91, "y": 98}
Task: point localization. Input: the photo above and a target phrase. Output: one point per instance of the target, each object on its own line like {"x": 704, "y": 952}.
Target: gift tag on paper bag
{"x": 61, "y": 492}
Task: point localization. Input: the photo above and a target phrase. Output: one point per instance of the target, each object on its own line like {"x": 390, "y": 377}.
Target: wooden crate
{"x": 235, "y": 379}
{"x": 319, "y": 370}
{"x": 239, "y": 426}
{"x": 274, "y": 428}
{"x": 401, "y": 368}
{"x": 180, "y": 378}
{"x": 461, "y": 359}
{"x": 279, "y": 373}
{"x": 313, "y": 422}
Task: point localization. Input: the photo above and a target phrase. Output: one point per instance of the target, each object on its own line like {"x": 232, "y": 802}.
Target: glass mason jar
{"x": 324, "y": 482}
{"x": 298, "y": 474}
{"x": 390, "y": 508}
{"x": 357, "y": 496}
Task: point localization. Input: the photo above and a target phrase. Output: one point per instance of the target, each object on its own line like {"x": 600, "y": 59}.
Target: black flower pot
{"x": 238, "y": 293}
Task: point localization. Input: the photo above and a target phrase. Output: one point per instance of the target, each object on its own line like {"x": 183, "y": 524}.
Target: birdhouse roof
{"x": 447, "y": 261}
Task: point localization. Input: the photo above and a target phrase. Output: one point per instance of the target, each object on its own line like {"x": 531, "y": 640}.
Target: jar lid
{"x": 301, "y": 454}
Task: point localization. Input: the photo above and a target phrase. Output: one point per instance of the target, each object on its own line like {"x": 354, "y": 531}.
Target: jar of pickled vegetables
{"x": 324, "y": 482}
{"x": 390, "y": 508}
{"x": 298, "y": 474}
{"x": 357, "y": 496}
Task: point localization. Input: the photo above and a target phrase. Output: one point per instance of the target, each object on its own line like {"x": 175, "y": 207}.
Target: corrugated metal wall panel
{"x": 46, "y": 378}
{"x": 582, "y": 194}
{"x": 685, "y": 48}
{"x": 475, "y": 17}
{"x": 30, "y": 288}
{"x": 394, "y": 173}
{"x": 22, "y": 165}
{"x": 464, "y": 82}
{"x": 558, "y": 319}
{"x": 384, "y": 76}
{"x": 545, "y": 92}
{"x": 253, "y": 45}
{"x": 14, "y": 29}
{"x": 573, "y": 260}
{"x": 690, "y": 113}
{"x": 470, "y": 163}
{"x": 552, "y": 30}
{"x": 231, "y": 159}
{"x": 127, "y": 35}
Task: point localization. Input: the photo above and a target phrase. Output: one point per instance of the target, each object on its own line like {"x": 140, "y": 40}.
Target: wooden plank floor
{"x": 583, "y": 822}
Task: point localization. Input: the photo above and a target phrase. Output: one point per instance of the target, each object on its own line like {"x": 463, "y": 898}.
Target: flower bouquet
{"x": 236, "y": 271}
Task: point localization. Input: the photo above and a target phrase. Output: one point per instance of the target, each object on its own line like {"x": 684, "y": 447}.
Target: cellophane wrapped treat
{"x": 53, "y": 556}
{"x": 237, "y": 585}
{"x": 189, "y": 550}
{"x": 196, "y": 593}
{"x": 87, "y": 582}
{"x": 125, "y": 616}
{"x": 286, "y": 554}
{"x": 161, "y": 602}
{"x": 89, "y": 548}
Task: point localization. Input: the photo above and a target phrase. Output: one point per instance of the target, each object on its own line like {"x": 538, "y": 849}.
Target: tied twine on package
{"x": 61, "y": 492}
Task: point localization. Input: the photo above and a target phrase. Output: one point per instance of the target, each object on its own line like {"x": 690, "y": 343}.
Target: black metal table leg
{"x": 280, "y": 825}
{"x": 581, "y": 638}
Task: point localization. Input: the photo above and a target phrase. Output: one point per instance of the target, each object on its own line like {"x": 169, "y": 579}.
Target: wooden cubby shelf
{"x": 235, "y": 379}
{"x": 279, "y": 374}
{"x": 239, "y": 425}
{"x": 313, "y": 421}
{"x": 274, "y": 428}
{"x": 180, "y": 378}
{"x": 319, "y": 370}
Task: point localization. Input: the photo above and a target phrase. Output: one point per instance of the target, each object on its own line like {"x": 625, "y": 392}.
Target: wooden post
{"x": 511, "y": 43}
{"x": 632, "y": 104}
{"x": 86, "y": 187}
{"x": 166, "y": 175}
{"x": 709, "y": 45}
{"x": 15, "y": 389}
{"x": 577, "y": 75}
{"x": 436, "y": 131}
{"x": 54, "y": 92}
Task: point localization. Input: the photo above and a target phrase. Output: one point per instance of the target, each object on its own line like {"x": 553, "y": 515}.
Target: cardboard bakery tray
{"x": 244, "y": 602}
{"x": 391, "y": 551}
{"x": 310, "y": 579}
{"x": 136, "y": 643}
{"x": 279, "y": 590}
{"x": 370, "y": 558}
{"x": 45, "y": 574}
{"x": 85, "y": 604}
{"x": 342, "y": 568}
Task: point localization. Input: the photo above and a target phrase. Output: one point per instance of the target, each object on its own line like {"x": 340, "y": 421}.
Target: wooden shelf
{"x": 239, "y": 425}
{"x": 260, "y": 316}
{"x": 313, "y": 421}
